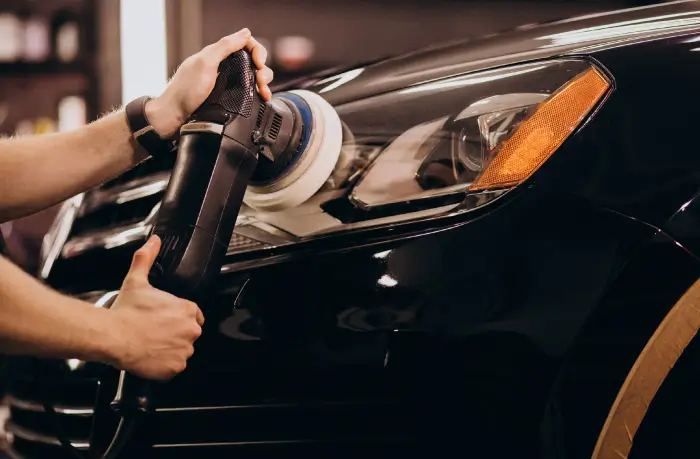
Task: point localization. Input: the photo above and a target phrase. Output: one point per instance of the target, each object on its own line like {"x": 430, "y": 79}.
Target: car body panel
{"x": 574, "y": 36}
{"x": 638, "y": 156}
{"x": 606, "y": 348}
{"x": 483, "y": 328}
{"x": 506, "y": 330}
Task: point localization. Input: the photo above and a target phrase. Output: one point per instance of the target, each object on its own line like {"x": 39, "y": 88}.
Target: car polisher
{"x": 234, "y": 148}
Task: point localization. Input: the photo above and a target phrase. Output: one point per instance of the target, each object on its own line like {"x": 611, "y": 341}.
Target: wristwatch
{"x": 142, "y": 130}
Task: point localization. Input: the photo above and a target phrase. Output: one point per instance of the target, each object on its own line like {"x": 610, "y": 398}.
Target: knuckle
{"x": 186, "y": 306}
{"x": 139, "y": 254}
{"x": 192, "y": 308}
{"x": 199, "y": 62}
{"x": 189, "y": 62}
{"x": 230, "y": 43}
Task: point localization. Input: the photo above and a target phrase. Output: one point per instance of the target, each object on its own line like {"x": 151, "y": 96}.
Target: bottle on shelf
{"x": 24, "y": 127}
{"x": 44, "y": 125}
{"x": 37, "y": 42}
{"x": 10, "y": 37}
{"x": 72, "y": 113}
{"x": 66, "y": 35}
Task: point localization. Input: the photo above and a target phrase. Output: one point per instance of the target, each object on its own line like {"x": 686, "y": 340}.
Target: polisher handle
{"x": 201, "y": 203}
{"x": 234, "y": 90}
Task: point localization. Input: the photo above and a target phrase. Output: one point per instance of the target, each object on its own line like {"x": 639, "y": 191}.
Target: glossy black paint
{"x": 583, "y": 35}
{"x": 470, "y": 332}
{"x": 638, "y": 156}
{"x": 500, "y": 333}
{"x": 607, "y": 346}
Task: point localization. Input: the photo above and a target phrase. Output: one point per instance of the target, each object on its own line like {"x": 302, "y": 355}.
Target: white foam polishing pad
{"x": 313, "y": 166}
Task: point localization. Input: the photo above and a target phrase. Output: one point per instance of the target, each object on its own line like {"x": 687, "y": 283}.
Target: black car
{"x": 502, "y": 265}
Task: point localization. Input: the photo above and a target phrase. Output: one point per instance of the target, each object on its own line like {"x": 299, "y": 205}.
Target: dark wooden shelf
{"x": 41, "y": 68}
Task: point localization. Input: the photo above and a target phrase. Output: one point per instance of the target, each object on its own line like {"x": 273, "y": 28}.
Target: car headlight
{"x": 434, "y": 149}
{"x": 437, "y": 148}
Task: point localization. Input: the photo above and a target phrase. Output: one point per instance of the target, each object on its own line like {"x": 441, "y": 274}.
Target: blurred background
{"x": 64, "y": 62}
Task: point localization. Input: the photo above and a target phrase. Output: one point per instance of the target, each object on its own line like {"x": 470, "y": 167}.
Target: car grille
{"x": 31, "y": 431}
{"x": 120, "y": 213}
{"x": 290, "y": 427}
{"x": 125, "y": 200}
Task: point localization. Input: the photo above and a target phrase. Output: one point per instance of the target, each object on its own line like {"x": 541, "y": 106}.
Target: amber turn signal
{"x": 540, "y": 135}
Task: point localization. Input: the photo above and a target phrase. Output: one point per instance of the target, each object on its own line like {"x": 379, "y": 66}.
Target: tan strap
{"x": 652, "y": 367}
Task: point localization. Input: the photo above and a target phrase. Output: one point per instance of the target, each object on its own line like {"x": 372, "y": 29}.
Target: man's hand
{"x": 154, "y": 331}
{"x": 195, "y": 78}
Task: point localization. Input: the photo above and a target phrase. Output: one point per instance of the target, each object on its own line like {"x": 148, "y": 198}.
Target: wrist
{"x": 165, "y": 120}
{"x": 102, "y": 343}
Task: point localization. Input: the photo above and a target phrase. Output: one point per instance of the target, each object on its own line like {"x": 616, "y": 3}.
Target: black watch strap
{"x": 142, "y": 130}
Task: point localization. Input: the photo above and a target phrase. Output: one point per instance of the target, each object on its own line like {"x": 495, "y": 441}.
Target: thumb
{"x": 143, "y": 260}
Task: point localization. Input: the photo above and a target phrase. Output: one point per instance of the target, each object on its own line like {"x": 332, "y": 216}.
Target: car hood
{"x": 583, "y": 34}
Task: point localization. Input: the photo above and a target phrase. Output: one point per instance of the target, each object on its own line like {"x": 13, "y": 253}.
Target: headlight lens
{"x": 439, "y": 148}
{"x": 493, "y": 143}
{"x": 516, "y": 157}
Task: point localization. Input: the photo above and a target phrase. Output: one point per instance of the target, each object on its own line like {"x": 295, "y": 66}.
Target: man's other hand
{"x": 153, "y": 332}
{"x": 195, "y": 78}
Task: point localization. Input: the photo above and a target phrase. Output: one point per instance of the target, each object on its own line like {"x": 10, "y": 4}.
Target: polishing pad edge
{"x": 320, "y": 160}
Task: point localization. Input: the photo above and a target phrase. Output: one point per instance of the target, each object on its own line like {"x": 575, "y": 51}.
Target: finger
{"x": 258, "y": 51}
{"x": 179, "y": 367}
{"x": 265, "y": 76}
{"x": 194, "y": 311}
{"x": 220, "y": 50}
{"x": 266, "y": 93}
{"x": 143, "y": 260}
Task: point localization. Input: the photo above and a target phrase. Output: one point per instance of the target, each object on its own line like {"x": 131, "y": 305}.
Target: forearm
{"x": 40, "y": 171}
{"x": 38, "y": 321}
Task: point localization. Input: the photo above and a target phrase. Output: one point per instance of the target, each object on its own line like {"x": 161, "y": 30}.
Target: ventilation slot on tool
{"x": 276, "y": 126}
{"x": 261, "y": 114}
{"x": 169, "y": 245}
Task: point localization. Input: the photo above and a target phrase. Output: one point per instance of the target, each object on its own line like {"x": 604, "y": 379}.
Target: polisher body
{"x": 233, "y": 136}
{"x": 220, "y": 147}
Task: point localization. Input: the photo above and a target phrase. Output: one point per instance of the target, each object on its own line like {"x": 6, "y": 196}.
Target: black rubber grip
{"x": 235, "y": 86}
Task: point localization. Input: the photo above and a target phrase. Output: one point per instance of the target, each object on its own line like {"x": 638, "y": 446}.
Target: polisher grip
{"x": 234, "y": 89}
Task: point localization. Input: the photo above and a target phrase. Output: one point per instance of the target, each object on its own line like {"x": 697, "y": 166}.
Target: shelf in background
{"x": 41, "y": 68}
